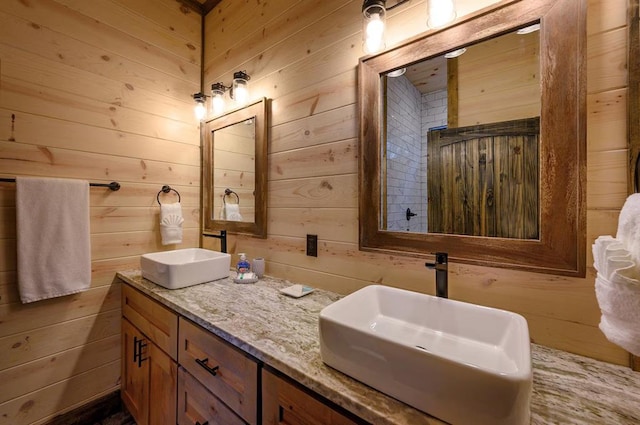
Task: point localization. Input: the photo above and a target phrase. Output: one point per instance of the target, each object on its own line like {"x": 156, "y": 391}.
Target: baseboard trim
{"x": 92, "y": 412}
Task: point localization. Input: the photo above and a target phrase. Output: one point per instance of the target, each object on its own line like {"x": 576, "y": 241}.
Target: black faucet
{"x": 441, "y": 268}
{"x": 223, "y": 239}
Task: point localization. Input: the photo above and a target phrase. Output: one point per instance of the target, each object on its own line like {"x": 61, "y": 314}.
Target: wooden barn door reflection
{"x": 483, "y": 180}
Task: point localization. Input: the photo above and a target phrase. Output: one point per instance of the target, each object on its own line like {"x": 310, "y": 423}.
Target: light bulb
{"x": 217, "y": 97}
{"x": 440, "y": 13}
{"x": 374, "y": 34}
{"x": 240, "y": 92}
{"x": 200, "y": 110}
{"x": 375, "y": 26}
{"x": 217, "y": 103}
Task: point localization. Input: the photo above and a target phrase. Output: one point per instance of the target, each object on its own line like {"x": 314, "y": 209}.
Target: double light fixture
{"x": 238, "y": 91}
{"x": 439, "y": 14}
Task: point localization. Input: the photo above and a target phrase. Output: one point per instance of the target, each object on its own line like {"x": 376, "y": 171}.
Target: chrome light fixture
{"x": 375, "y": 16}
{"x": 440, "y": 13}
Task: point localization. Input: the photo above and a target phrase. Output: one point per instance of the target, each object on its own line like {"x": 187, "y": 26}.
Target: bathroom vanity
{"x": 247, "y": 354}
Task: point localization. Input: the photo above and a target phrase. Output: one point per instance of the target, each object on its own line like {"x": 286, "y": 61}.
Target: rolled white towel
{"x": 603, "y": 247}
{"x": 621, "y": 334}
{"x": 171, "y": 223}
{"x": 610, "y": 256}
{"x": 629, "y": 226}
{"x": 620, "y": 299}
{"x": 619, "y": 302}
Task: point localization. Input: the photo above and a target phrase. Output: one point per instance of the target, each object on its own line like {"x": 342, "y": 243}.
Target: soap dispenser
{"x": 243, "y": 265}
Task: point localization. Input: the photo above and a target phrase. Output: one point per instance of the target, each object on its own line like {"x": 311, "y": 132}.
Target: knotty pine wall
{"x": 303, "y": 55}
{"x": 100, "y": 91}
{"x": 499, "y": 80}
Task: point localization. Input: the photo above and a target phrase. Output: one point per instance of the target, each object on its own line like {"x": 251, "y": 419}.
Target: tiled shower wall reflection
{"x": 410, "y": 115}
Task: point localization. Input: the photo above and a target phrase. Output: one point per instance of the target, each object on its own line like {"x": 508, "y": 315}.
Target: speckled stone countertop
{"x": 282, "y": 332}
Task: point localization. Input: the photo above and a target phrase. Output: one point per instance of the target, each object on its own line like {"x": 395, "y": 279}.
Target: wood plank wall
{"x": 303, "y": 55}
{"x": 100, "y": 90}
{"x": 499, "y": 80}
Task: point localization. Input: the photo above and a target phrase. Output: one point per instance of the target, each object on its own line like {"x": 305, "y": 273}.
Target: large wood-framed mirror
{"x": 536, "y": 149}
{"x": 234, "y": 183}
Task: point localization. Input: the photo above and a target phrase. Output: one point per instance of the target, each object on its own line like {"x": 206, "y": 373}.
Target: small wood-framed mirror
{"x": 555, "y": 240}
{"x": 234, "y": 182}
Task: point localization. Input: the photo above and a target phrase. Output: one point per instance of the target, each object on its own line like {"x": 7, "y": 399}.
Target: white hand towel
{"x": 621, "y": 334}
{"x": 618, "y": 281}
{"x": 619, "y": 301}
{"x": 629, "y": 226}
{"x": 231, "y": 212}
{"x": 53, "y": 241}
{"x": 606, "y": 247}
{"x": 171, "y": 223}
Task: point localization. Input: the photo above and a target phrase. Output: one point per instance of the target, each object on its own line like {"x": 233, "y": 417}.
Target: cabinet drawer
{"x": 197, "y": 405}
{"x": 154, "y": 320}
{"x": 224, "y": 370}
{"x": 285, "y": 403}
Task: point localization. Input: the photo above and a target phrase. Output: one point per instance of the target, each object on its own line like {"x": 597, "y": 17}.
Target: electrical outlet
{"x": 312, "y": 245}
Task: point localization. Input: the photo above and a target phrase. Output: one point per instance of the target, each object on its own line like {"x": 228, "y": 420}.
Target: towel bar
{"x": 113, "y": 185}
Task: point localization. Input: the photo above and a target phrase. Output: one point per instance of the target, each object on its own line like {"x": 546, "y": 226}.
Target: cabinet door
{"x": 149, "y": 379}
{"x": 135, "y": 376}
{"x": 284, "y": 403}
{"x": 153, "y": 319}
{"x": 163, "y": 373}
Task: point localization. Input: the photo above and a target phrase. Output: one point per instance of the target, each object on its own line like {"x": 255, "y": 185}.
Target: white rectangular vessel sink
{"x": 184, "y": 267}
{"x": 459, "y": 362}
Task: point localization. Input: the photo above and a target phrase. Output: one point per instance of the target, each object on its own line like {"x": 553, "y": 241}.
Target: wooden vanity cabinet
{"x": 174, "y": 371}
{"x": 149, "y": 372}
{"x": 285, "y": 403}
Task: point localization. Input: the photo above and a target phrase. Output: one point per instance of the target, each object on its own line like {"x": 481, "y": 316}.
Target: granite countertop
{"x": 282, "y": 332}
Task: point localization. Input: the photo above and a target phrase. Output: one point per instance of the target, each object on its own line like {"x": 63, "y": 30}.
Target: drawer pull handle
{"x": 205, "y": 423}
{"x": 138, "y": 346}
{"x": 211, "y": 370}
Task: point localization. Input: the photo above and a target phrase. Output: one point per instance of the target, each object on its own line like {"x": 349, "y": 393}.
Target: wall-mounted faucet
{"x": 441, "y": 267}
{"x": 223, "y": 239}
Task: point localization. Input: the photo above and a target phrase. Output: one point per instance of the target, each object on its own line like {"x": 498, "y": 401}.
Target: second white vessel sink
{"x": 184, "y": 267}
{"x": 463, "y": 363}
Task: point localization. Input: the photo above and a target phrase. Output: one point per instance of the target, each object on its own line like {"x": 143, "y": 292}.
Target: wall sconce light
{"x": 238, "y": 91}
{"x": 217, "y": 97}
{"x": 374, "y": 12}
{"x": 240, "y": 87}
{"x": 440, "y": 13}
{"x": 375, "y": 16}
{"x": 200, "y": 109}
